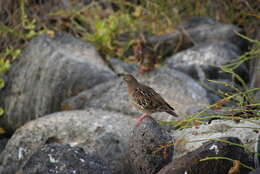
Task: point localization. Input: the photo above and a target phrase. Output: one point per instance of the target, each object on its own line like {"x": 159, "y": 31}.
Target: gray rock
{"x": 49, "y": 71}
{"x": 204, "y": 29}
{"x": 190, "y": 163}
{"x": 176, "y": 88}
{"x": 63, "y": 159}
{"x": 145, "y": 147}
{"x": 101, "y": 133}
{"x": 196, "y": 31}
{"x": 168, "y": 44}
{"x": 122, "y": 67}
{"x": 205, "y": 58}
{"x": 244, "y": 130}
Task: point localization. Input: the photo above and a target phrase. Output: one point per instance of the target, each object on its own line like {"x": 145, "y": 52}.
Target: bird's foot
{"x": 140, "y": 119}
{"x": 141, "y": 70}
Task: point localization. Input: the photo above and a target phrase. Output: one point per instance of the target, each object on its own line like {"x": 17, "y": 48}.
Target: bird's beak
{"x": 120, "y": 75}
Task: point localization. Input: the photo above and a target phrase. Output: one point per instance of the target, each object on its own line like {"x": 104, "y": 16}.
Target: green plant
{"x": 245, "y": 107}
{"x": 107, "y": 30}
{"x": 4, "y": 66}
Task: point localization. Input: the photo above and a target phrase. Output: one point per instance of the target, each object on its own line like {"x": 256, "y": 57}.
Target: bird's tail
{"x": 171, "y": 112}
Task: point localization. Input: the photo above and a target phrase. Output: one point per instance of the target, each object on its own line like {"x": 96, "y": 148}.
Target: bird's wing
{"x": 149, "y": 100}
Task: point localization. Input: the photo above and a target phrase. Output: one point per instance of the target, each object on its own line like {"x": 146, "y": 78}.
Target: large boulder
{"x": 194, "y": 32}
{"x": 178, "y": 89}
{"x": 63, "y": 159}
{"x": 222, "y": 150}
{"x": 204, "y": 29}
{"x": 150, "y": 147}
{"x": 49, "y": 71}
{"x": 204, "y": 60}
{"x": 192, "y": 138}
{"x": 101, "y": 133}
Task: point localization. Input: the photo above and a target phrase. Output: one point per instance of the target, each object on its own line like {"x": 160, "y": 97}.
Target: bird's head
{"x": 128, "y": 78}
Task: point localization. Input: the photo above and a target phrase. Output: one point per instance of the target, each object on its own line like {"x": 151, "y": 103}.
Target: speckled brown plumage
{"x": 145, "y": 99}
{"x": 144, "y": 55}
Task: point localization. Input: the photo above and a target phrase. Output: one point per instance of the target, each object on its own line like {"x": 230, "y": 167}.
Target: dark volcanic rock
{"x": 144, "y": 142}
{"x": 101, "y": 133}
{"x": 213, "y": 130}
{"x": 49, "y": 71}
{"x": 191, "y": 164}
{"x": 63, "y": 159}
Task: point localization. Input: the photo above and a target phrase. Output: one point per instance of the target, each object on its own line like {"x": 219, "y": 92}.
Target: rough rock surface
{"x": 196, "y": 31}
{"x": 203, "y": 60}
{"x": 100, "y": 133}
{"x": 176, "y": 88}
{"x": 190, "y": 163}
{"x": 204, "y": 29}
{"x": 49, "y": 71}
{"x": 63, "y": 159}
{"x": 256, "y": 171}
{"x": 145, "y": 152}
{"x": 193, "y": 138}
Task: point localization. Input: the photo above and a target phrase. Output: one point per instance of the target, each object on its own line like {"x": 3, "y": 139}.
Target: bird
{"x": 145, "y": 99}
{"x": 144, "y": 57}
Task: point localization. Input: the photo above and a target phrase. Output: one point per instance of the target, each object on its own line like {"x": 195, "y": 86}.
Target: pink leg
{"x": 141, "y": 70}
{"x": 139, "y": 120}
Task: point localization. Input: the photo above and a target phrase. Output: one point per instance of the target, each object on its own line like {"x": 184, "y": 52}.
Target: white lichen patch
{"x": 215, "y": 148}
{"x": 21, "y": 152}
{"x": 52, "y": 159}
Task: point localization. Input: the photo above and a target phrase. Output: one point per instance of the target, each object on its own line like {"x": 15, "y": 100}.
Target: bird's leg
{"x": 145, "y": 69}
{"x": 142, "y": 70}
{"x": 139, "y": 120}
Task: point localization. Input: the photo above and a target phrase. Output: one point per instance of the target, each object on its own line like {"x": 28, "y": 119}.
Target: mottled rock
{"x": 168, "y": 44}
{"x": 49, "y": 71}
{"x": 203, "y": 61}
{"x": 244, "y": 130}
{"x": 63, "y": 159}
{"x": 204, "y": 29}
{"x": 191, "y": 164}
{"x": 196, "y": 31}
{"x": 101, "y": 133}
{"x": 145, "y": 147}
{"x": 178, "y": 89}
